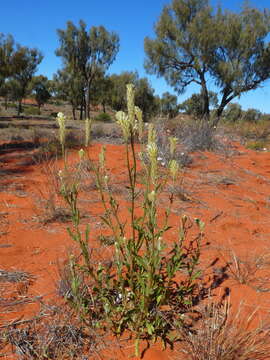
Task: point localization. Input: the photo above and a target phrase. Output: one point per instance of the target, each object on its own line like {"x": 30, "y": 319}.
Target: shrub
{"x": 104, "y": 117}
{"x": 31, "y": 110}
{"x": 252, "y": 115}
{"x": 196, "y": 135}
{"x": 233, "y": 112}
{"x": 146, "y": 288}
{"x": 257, "y": 145}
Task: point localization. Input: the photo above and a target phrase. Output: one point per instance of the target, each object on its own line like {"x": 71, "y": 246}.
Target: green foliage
{"x": 194, "y": 105}
{"x": 193, "y": 43}
{"x": 31, "y": 110}
{"x": 118, "y": 90}
{"x": 103, "y": 117}
{"x": 168, "y": 105}
{"x": 144, "y": 93}
{"x": 6, "y": 53}
{"x": 252, "y": 115}
{"x": 257, "y": 145}
{"x": 40, "y": 87}
{"x": 24, "y": 64}
{"x": 85, "y": 54}
{"x": 148, "y": 286}
{"x": 233, "y": 112}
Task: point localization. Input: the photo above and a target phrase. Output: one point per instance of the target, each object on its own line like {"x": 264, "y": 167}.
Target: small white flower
{"x": 163, "y": 163}
{"x": 182, "y": 153}
{"x": 159, "y": 159}
{"x": 152, "y": 196}
{"x": 81, "y": 154}
{"x": 264, "y": 149}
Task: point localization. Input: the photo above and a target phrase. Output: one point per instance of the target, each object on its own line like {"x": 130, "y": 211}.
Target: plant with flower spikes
{"x": 148, "y": 287}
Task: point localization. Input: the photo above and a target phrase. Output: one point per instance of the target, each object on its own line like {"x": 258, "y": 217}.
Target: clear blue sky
{"x": 34, "y": 22}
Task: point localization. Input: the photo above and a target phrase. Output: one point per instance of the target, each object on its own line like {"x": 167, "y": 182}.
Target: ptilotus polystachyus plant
{"x": 88, "y": 126}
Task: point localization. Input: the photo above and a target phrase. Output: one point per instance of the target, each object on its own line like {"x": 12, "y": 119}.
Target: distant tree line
{"x": 193, "y": 44}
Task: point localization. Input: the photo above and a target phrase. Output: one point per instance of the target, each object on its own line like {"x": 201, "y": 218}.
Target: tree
{"x": 195, "y": 105}
{"x": 252, "y": 115}
{"x": 233, "y": 112}
{"x": 145, "y": 98}
{"x": 69, "y": 86}
{"x": 6, "y": 52}
{"x": 102, "y": 91}
{"x": 168, "y": 103}
{"x": 118, "y": 91}
{"x": 194, "y": 44}
{"x": 144, "y": 93}
{"x": 24, "y": 65}
{"x": 87, "y": 53}
{"x": 40, "y": 87}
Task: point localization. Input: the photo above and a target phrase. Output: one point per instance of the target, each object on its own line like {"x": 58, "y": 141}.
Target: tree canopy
{"x": 24, "y": 65}
{"x": 195, "y": 105}
{"x": 194, "y": 43}
{"x": 144, "y": 93}
{"x": 85, "y": 54}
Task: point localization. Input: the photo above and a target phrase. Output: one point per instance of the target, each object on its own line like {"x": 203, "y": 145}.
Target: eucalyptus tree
{"x": 194, "y": 105}
{"x": 25, "y": 62}
{"x": 6, "y": 52}
{"x": 168, "y": 105}
{"x": 119, "y": 88}
{"x": 69, "y": 87}
{"x": 144, "y": 93}
{"x": 41, "y": 89}
{"x": 195, "y": 44}
{"x": 86, "y": 53}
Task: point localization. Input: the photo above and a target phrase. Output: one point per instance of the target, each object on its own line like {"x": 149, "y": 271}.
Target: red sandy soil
{"x": 231, "y": 194}
{"x": 29, "y": 102}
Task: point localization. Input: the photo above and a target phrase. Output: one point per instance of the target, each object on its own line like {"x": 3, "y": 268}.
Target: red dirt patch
{"x": 231, "y": 195}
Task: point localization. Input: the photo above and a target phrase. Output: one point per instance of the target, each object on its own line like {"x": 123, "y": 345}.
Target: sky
{"x": 34, "y": 23}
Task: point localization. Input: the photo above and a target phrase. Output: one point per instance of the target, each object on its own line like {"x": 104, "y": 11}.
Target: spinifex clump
{"x": 149, "y": 286}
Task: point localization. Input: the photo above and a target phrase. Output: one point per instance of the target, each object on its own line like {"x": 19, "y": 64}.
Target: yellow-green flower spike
{"x": 173, "y": 143}
{"x": 139, "y": 116}
{"x": 81, "y": 154}
{"x": 152, "y": 135}
{"x": 174, "y": 168}
{"x": 102, "y": 157}
{"x": 152, "y": 152}
{"x": 151, "y": 196}
{"x": 130, "y": 103}
{"x": 61, "y": 120}
{"x": 122, "y": 120}
{"x": 88, "y": 126}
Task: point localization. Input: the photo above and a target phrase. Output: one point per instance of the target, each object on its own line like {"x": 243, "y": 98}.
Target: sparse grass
{"x": 221, "y": 334}
{"x": 245, "y": 269}
{"x": 14, "y": 276}
{"x": 55, "y": 334}
{"x": 258, "y": 145}
{"x": 49, "y": 205}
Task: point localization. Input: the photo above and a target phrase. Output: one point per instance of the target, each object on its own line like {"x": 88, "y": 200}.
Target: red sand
{"x": 231, "y": 195}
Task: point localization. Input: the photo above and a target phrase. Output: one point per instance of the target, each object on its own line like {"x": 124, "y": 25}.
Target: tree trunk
{"x": 104, "y": 107}
{"x": 19, "y": 107}
{"x": 73, "y": 112}
{"x": 224, "y": 102}
{"x": 206, "y": 111}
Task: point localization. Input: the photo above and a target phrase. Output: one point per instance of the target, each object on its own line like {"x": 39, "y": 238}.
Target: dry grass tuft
{"x": 222, "y": 335}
